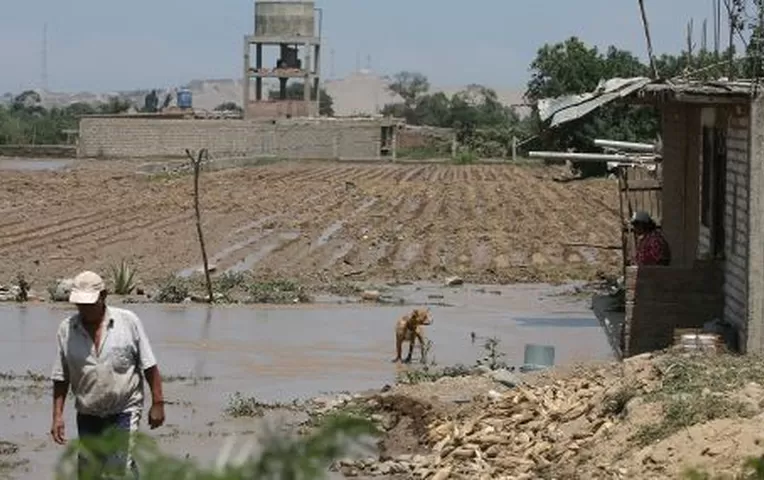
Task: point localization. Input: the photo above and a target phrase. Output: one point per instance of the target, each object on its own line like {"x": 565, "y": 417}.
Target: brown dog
{"x": 410, "y": 328}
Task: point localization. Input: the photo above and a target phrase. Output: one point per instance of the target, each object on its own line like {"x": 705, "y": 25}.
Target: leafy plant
{"x": 493, "y": 356}
{"x": 277, "y": 291}
{"x": 173, "y": 290}
{"x": 465, "y": 157}
{"x": 23, "y": 286}
{"x": 241, "y": 406}
{"x": 280, "y": 456}
{"x": 123, "y": 277}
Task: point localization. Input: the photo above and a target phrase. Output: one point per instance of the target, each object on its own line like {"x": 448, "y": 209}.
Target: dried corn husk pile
{"x": 527, "y": 432}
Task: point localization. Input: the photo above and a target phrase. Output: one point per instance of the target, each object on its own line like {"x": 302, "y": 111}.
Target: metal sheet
{"x": 572, "y": 107}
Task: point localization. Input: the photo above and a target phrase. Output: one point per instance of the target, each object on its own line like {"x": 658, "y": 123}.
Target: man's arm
{"x": 150, "y": 369}
{"x": 60, "y": 377}
{"x": 154, "y": 380}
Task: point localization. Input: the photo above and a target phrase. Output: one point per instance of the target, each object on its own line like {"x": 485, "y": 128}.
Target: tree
{"x": 151, "y": 102}
{"x": 115, "y": 105}
{"x": 410, "y": 86}
{"x": 296, "y": 91}
{"x": 228, "y": 107}
{"x": 564, "y": 68}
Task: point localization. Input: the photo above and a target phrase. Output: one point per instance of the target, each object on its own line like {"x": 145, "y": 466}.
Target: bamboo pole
{"x": 648, "y": 39}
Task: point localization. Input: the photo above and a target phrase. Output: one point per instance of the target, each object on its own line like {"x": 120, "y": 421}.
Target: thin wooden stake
{"x": 647, "y": 37}
{"x": 197, "y": 163}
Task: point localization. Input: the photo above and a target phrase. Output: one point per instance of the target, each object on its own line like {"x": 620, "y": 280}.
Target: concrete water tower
{"x": 289, "y": 28}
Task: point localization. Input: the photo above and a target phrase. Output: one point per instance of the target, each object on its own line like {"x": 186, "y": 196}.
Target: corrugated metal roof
{"x": 572, "y": 107}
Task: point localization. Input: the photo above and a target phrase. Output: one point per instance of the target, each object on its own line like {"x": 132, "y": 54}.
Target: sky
{"x": 100, "y": 46}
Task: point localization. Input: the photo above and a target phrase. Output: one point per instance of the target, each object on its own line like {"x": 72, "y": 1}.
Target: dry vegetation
{"x": 310, "y": 222}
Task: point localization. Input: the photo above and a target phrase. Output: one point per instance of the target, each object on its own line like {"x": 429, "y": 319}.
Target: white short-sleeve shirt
{"x": 109, "y": 380}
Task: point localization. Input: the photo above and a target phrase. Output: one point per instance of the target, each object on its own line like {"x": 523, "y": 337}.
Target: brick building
{"x": 712, "y": 216}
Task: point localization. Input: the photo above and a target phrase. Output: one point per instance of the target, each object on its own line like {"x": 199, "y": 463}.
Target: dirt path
{"x": 311, "y": 221}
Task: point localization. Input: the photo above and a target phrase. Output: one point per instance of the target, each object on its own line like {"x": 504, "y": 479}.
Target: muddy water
{"x": 31, "y": 164}
{"x": 280, "y": 353}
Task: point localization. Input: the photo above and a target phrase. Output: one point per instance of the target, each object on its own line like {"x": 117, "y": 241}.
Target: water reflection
{"x": 279, "y": 353}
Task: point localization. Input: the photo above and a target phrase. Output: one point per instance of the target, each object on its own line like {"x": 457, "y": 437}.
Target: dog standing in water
{"x": 410, "y": 328}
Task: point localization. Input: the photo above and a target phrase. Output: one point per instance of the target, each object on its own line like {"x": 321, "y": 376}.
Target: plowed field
{"x": 312, "y": 221}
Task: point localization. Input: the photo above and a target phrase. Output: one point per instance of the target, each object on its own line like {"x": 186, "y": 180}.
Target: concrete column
{"x": 317, "y": 72}
{"x": 258, "y": 66}
{"x": 245, "y": 87}
{"x": 308, "y": 68}
{"x": 394, "y": 140}
{"x": 755, "y": 332}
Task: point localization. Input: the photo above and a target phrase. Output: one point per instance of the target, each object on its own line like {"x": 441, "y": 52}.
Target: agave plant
{"x": 123, "y": 277}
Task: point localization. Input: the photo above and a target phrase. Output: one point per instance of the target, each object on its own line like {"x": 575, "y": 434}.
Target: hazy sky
{"x": 107, "y": 45}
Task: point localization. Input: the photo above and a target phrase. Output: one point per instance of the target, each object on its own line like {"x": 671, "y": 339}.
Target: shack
{"x": 712, "y": 201}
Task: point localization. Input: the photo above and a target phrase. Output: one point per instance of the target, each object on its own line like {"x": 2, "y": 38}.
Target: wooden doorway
{"x": 639, "y": 188}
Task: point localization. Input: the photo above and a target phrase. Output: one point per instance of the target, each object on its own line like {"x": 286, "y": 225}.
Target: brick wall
{"x": 661, "y": 299}
{"x": 114, "y": 137}
{"x": 736, "y": 221}
{"x": 281, "y": 109}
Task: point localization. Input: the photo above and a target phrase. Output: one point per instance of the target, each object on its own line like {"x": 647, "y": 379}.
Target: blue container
{"x": 537, "y": 357}
{"x": 185, "y": 99}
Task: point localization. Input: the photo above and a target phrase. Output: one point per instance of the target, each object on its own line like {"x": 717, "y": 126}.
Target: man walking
{"x": 103, "y": 354}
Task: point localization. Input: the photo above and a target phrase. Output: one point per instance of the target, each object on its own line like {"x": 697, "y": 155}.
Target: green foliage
{"x": 296, "y": 91}
{"x": 484, "y": 126}
{"x": 26, "y": 122}
{"x": 278, "y": 292}
{"x": 23, "y": 286}
{"x": 229, "y": 107}
{"x": 173, "y": 290}
{"x": 123, "y": 277}
{"x": 465, "y": 157}
{"x": 241, "y": 406}
{"x": 282, "y": 457}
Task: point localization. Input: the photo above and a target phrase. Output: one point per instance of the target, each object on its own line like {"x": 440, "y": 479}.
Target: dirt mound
{"x": 406, "y": 421}
{"x": 648, "y": 417}
{"x": 484, "y": 223}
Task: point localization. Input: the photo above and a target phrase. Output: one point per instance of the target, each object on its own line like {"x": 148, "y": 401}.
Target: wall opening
{"x": 713, "y": 187}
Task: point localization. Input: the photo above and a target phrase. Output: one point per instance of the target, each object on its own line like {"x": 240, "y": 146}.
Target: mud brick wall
{"x": 113, "y": 137}
{"x": 736, "y": 220}
{"x": 661, "y": 299}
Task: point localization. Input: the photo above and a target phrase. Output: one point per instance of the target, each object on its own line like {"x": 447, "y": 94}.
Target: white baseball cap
{"x": 87, "y": 288}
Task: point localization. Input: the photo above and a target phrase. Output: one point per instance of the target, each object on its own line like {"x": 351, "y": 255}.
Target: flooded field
{"x": 281, "y": 353}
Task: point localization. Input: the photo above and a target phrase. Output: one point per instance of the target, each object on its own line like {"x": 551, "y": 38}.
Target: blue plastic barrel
{"x": 185, "y": 99}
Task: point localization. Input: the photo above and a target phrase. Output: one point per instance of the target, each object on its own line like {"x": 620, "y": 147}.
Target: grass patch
{"x": 173, "y": 290}
{"x": 465, "y": 157}
{"x": 277, "y": 292}
{"x": 615, "y": 402}
{"x": 684, "y": 412}
{"x": 696, "y": 389}
{"x": 28, "y": 376}
{"x": 752, "y": 469}
{"x": 240, "y": 406}
{"x": 183, "y": 378}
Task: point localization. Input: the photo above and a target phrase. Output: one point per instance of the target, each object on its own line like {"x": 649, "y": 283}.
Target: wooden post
{"x": 648, "y": 39}
{"x": 514, "y": 148}
{"x": 197, "y": 163}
